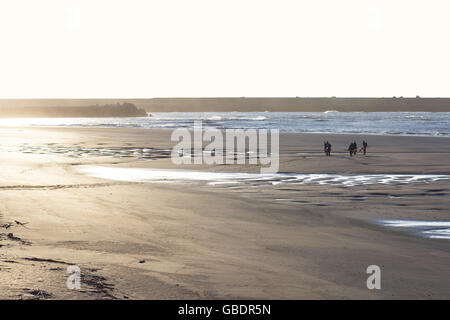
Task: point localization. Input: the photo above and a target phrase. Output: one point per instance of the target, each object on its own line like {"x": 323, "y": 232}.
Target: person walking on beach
{"x": 328, "y": 149}
{"x": 350, "y": 149}
{"x": 364, "y": 147}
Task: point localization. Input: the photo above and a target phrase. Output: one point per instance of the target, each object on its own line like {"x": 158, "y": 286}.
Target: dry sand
{"x": 191, "y": 241}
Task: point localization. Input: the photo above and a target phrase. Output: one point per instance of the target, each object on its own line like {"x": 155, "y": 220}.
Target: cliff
{"x": 109, "y": 110}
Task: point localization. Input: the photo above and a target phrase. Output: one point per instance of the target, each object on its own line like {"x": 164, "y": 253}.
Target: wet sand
{"x": 135, "y": 240}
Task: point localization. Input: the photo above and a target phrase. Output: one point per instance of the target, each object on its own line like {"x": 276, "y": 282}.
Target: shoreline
{"x": 190, "y": 129}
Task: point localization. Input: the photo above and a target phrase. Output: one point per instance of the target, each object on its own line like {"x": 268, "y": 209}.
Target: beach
{"x": 287, "y": 237}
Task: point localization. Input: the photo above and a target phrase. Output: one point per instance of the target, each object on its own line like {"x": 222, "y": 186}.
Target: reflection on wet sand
{"x": 216, "y": 178}
{"x": 429, "y": 229}
{"x": 76, "y": 151}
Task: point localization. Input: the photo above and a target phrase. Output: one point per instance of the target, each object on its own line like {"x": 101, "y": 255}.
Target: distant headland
{"x": 125, "y": 109}
{"x": 296, "y": 104}
{"x": 139, "y": 107}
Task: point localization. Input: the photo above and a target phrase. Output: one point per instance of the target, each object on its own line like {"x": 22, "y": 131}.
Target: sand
{"x": 135, "y": 240}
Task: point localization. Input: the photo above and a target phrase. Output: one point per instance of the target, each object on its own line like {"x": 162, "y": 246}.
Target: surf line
{"x": 240, "y": 145}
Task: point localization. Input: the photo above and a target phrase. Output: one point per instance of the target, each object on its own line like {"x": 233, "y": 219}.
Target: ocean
{"x": 380, "y": 123}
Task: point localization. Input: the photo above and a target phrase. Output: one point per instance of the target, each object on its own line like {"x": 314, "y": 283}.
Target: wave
{"x": 259, "y": 118}
{"x": 410, "y": 116}
{"x": 216, "y": 118}
{"x": 304, "y": 117}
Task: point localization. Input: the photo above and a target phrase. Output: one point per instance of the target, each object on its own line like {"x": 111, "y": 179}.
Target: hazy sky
{"x": 194, "y": 48}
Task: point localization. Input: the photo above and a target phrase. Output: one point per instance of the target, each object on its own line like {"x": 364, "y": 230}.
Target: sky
{"x": 223, "y": 48}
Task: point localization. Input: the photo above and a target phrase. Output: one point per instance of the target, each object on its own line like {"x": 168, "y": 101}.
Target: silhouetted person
{"x": 364, "y": 147}
{"x": 350, "y": 149}
{"x": 327, "y": 148}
